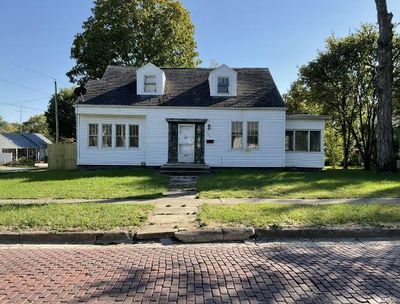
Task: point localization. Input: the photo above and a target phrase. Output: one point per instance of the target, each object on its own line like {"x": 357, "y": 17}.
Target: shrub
{"x": 22, "y": 162}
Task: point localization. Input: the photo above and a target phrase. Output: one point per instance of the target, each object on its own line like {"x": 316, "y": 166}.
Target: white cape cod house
{"x": 221, "y": 117}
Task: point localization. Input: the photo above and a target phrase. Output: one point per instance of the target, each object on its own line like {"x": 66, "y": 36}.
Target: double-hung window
{"x": 237, "y": 135}
{"x": 133, "y": 136}
{"x": 120, "y": 136}
{"x": 223, "y": 85}
{"x": 252, "y": 134}
{"x": 93, "y": 135}
{"x": 150, "y": 84}
{"x": 303, "y": 141}
{"x": 315, "y": 141}
{"x": 107, "y": 136}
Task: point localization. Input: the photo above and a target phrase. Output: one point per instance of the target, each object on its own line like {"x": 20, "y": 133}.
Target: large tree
{"x": 66, "y": 115}
{"x": 133, "y": 32}
{"x": 36, "y": 124}
{"x": 385, "y": 154}
{"x": 340, "y": 82}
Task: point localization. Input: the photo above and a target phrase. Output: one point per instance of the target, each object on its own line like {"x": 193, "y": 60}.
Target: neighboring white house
{"x": 14, "y": 146}
{"x": 219, "y": 117}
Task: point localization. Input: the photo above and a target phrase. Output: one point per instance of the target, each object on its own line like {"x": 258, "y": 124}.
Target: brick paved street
{"x": 231, "y": 273}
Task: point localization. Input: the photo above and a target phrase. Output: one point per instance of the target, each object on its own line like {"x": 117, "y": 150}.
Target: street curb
{"x": 195, "y": 236}
{"x": 329, "y": 232}
{"x": 215, "y": 235}
{"x": 39, "y": 237}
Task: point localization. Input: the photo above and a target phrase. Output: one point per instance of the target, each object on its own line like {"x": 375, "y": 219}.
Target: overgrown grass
{"x": 299, "y": 184}
{"x": 73, "y": 217}
{"x": 270, "y": 214}
{"x": 123, "y": 183}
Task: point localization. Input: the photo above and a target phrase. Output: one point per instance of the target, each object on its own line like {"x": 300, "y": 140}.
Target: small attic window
{"x": 223, "y": 85}
{"x": 150, "y": 84}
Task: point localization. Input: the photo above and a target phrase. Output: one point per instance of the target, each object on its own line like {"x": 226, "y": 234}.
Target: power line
{"x": 19, "y": 106}
{"x": 27, "y": 100}
{"x": 23, "y": 86}
{"x": 37, "y": 72}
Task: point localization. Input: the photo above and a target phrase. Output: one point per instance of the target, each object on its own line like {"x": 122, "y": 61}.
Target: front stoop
{"x": 184, "y": 169}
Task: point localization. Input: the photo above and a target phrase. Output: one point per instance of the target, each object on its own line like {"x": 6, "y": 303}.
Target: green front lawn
{"x": 329, "y": 183}
{"x": 73, "y": 217}
{"x": 122, "y": 183}
{"x": 263, "y": 215}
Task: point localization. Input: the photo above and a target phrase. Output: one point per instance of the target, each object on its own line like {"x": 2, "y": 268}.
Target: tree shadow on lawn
{"x": 55, "y": 175}
{"x": 319, "y": 274}
{"x": 278, "y": 184}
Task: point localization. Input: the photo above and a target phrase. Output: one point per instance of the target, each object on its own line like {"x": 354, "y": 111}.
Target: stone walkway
{"x": 282, "y": 272}
{"x": 176, "y": 211}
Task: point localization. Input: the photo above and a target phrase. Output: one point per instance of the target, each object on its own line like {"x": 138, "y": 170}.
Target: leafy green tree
{"x": 36, "y": 124}
{"x": 340, "y": 82}
{"x": 66, "y": 115}
{"x": 133, "y": 32}
{"x": 2, "y": 123}
{"x": 333, "y": 147}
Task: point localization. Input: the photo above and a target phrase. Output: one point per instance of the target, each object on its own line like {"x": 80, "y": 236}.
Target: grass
{"x": 278, "y": 215}
{"x": 104, "y": 184}
{"x": 73, "y": 217}
{"x": 331, "y": 183}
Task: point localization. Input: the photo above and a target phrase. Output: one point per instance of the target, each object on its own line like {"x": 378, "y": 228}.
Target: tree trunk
{"x": 385, "y": 155}
{"x": 345, "y": 147}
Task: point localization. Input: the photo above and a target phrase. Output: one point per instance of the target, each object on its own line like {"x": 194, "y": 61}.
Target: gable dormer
{"x": 223, "y": 81}
{"x": 150, "y": 80}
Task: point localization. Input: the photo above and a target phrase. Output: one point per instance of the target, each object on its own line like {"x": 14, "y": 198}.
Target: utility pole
{"x": 56, "y": 110}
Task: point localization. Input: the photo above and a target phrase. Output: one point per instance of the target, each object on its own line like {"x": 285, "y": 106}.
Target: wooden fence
{"x": 61, "y": 156}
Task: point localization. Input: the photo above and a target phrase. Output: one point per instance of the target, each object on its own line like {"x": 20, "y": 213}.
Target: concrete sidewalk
{"x": 185, "y": 199}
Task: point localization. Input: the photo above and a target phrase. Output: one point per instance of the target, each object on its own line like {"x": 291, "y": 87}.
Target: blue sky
{"x": 36, "y": 36}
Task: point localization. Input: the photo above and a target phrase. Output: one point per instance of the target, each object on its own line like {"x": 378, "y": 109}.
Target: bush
{"x": 22, "y": 162}
{"x": 333, "y": 148}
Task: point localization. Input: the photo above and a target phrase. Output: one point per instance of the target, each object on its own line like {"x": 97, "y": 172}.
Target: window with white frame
{"x": 237, "y": 134}
{"x": 150, "y": 84}
{"x": 106, "y": 138}
{"x": 315, "y": 141}
{"x": 252, "y": 134}
{"x": 93, "y": 135}
{"x": 303, "y": 141}
{"x": 120, "y": 135}
{"x": 133, "y": 136}
{"x": 223, "y": 85}
{"x": 289, "y": 141}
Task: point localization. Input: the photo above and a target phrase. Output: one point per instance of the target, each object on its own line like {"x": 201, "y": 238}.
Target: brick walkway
{"x": 231, "y": 273}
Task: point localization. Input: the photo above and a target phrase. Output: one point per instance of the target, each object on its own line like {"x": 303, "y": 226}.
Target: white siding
{"x": 154, "y": 136}
{"x": 306, "y": 159}
{"x": 5, "y": 158}
{"x": 109, "y": 156}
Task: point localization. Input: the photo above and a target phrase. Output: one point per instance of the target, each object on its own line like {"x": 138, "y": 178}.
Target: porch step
{"x": 185, "y": 169}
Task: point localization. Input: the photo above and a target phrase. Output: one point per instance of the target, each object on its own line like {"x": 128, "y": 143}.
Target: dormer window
{"x": 223, "y": 85}
{"x": 150, "y": 84}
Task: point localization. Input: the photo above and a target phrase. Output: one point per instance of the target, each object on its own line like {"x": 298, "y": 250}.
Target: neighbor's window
{"x": 120, "y": 136}
{"x": 252, "y": 134}
{"x": 289, "y": 141}
{"x": 315, "y": 141}
{"x": 107, "y": 136}
{"x": 237, "y": 134}
{"x": 133, "y": 136}
{"x": 301, "y": 141}
{"x": 150, "y": 84}
{"x": 223, "y": 85}
{"x": 93, "y": 135}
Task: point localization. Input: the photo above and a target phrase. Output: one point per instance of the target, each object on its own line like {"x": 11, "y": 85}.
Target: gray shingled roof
{"x": 24, "y": 140}
{"x": 184, "y": 87}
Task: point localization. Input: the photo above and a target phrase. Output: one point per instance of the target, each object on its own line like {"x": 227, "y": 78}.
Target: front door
{"x": 186, "y": 143}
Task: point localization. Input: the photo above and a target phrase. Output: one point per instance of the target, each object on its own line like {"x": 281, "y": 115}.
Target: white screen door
{"x": 186, "y": 143}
